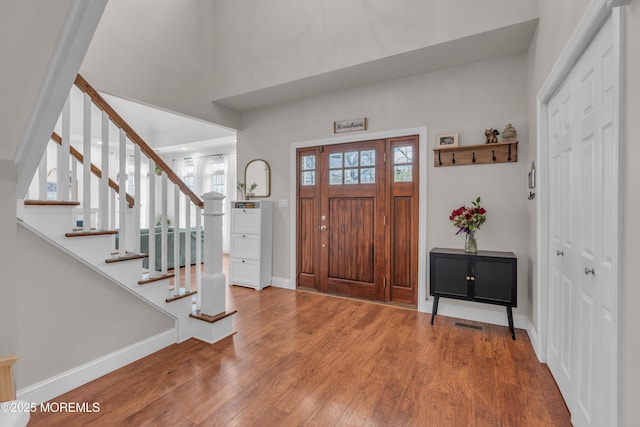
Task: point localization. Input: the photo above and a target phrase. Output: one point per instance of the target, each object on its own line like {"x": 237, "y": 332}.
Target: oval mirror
{"x": 258, "y": 172}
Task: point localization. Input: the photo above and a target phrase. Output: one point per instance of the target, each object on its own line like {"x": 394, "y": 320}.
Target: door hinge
{"x": 384, "y": 283}
{"x": 385, "y": 220}
{"x": 384, "y": 158}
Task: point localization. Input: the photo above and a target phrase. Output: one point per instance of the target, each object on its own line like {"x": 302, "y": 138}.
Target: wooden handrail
{"x": 100, "y": 102}
{"x": 96, "y": 171}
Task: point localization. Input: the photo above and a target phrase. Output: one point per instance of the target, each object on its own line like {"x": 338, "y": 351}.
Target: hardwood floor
{"x": 302, "y": 358}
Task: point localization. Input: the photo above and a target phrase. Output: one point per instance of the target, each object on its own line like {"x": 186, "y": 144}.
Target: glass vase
{"x": 470, "y": 244}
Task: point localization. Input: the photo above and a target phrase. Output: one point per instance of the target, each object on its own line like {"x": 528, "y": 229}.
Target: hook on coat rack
{"x": 453, "y": 158}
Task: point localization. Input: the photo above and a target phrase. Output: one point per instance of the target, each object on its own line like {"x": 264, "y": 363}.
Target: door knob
{"x": 560, "y": 253}
{"x": 323, "y": 227}
{"x": 591, "y": 271}
{"x": 468, "y": 278}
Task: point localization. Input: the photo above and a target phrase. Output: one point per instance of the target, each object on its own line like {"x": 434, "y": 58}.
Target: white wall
{"x": 69, "y": 315}
{"x": 465, "y": 99}
{"x": 268, "y": 43}
{"x": 157, "y": 52}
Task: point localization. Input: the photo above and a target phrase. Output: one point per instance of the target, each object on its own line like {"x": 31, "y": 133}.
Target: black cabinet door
{"x": 449, "y": 276}
{"x": 493, "y": 280}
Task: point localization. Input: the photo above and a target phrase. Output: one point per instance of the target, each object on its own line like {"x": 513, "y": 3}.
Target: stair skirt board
{"x": 66, "y": 381}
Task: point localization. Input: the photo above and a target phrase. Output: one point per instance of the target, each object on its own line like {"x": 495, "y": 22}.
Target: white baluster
{"x": 112, "y": 210}
{"x": 64, "y": 151}
{"x": 73, "y": 179}
{"x": 86, "y": 166}
{"x": 187, "y": 244}
{"x": 198, "y": 256}
{"x": 103, "y": 200}
{"x": 164, "y": 223}
{"x": 136, "y": 198}
{"x": 42, "y": 177}
{"x": 122, "y": 182}
{"x": 176, "y": 239}
{"x": 152, "y": 218}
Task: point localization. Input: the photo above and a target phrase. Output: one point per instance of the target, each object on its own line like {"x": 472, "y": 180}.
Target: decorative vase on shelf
{"x": 470, "y": 244}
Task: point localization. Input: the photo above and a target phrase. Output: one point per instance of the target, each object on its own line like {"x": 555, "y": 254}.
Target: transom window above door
{"x": 352, "y": 167}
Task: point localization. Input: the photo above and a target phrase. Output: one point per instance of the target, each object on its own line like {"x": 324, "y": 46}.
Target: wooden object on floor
{"x": 489, "y": 277}
{"x": 305, "y": 358}
{"x": 7, "y": 387}
{"x": 480, "y": 154}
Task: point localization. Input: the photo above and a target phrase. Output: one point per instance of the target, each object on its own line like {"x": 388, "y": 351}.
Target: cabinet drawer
{"x": 245, "y": 221}
{"x": 245, "y": 245}
{"x": 244, "y": 272}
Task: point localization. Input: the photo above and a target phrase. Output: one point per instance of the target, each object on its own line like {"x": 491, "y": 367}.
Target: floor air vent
{"x": 468, "y": 326}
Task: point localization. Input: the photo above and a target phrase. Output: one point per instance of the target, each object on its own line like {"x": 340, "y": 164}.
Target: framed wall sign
{"x": 350, "y": 125}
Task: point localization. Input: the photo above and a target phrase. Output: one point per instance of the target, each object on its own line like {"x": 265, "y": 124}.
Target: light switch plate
{"x": 283, "y": 203}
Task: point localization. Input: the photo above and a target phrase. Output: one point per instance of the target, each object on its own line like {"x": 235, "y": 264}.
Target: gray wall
{"x": 69, "y": 315}
{"x": 260, "y": 44}
{"x": 464, "y": 99}
{"x": 157, "y": 52}
{"x": 28, "y": 32}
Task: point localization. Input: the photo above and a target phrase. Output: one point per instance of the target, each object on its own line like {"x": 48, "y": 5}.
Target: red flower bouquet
{"x": 469, "y": 219}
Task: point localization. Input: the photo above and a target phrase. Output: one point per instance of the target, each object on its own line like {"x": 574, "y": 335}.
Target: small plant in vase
{"x": 468, "y": 220}
{"x": 246, "y": 192}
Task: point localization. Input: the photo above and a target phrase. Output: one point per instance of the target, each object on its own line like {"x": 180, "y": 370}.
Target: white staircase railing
{"x": 97, "y": 160}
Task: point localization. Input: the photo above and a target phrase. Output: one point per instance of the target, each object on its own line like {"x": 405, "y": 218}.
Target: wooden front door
{"x": 357, "y": 216}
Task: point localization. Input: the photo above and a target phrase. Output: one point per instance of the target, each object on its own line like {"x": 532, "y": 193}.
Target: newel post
{"x": 213, "y": 288}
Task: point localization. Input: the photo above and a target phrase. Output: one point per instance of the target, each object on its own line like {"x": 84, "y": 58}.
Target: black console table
{"x": 487, "y": 276}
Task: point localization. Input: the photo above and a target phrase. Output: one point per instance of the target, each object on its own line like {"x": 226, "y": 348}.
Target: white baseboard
{"x": 478, "y": 314}
{"x": 280, "y": 282}
{"x": 55, "y": 386}
{"x": 535, "y": 342}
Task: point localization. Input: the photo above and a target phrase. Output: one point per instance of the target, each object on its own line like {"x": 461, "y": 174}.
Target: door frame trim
{"x": 594, "y": 18}
{"x": 423, "y": 305}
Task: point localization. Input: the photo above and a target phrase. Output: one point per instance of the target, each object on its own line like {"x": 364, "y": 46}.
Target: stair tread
{"x": 155, "y": 279}
{"x": 129, "y": 256}
{"x": 50, "y": 203}
{"x": 212, "y": 319}
{"x": 91, "y": 233}
{"x": 184, "y": 295}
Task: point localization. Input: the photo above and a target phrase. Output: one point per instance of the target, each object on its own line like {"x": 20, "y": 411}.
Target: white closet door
{"x": 561, "y": 239}
{"x": 583, "y": 241}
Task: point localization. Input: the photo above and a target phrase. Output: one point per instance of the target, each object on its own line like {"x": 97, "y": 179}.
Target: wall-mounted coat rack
{"x": 501, "y": 152}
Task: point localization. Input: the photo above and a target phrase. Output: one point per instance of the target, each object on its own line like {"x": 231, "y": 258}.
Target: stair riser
{"x": 93, "y": 249}
{"x": 52, "y": 221}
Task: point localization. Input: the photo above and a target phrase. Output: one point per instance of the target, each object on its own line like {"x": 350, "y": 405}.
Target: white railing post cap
{"x": 212, "y": 195}
{"x": 213, "y": 203}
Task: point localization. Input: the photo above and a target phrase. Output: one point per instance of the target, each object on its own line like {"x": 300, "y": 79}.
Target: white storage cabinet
{"x": 251, "y": 235}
